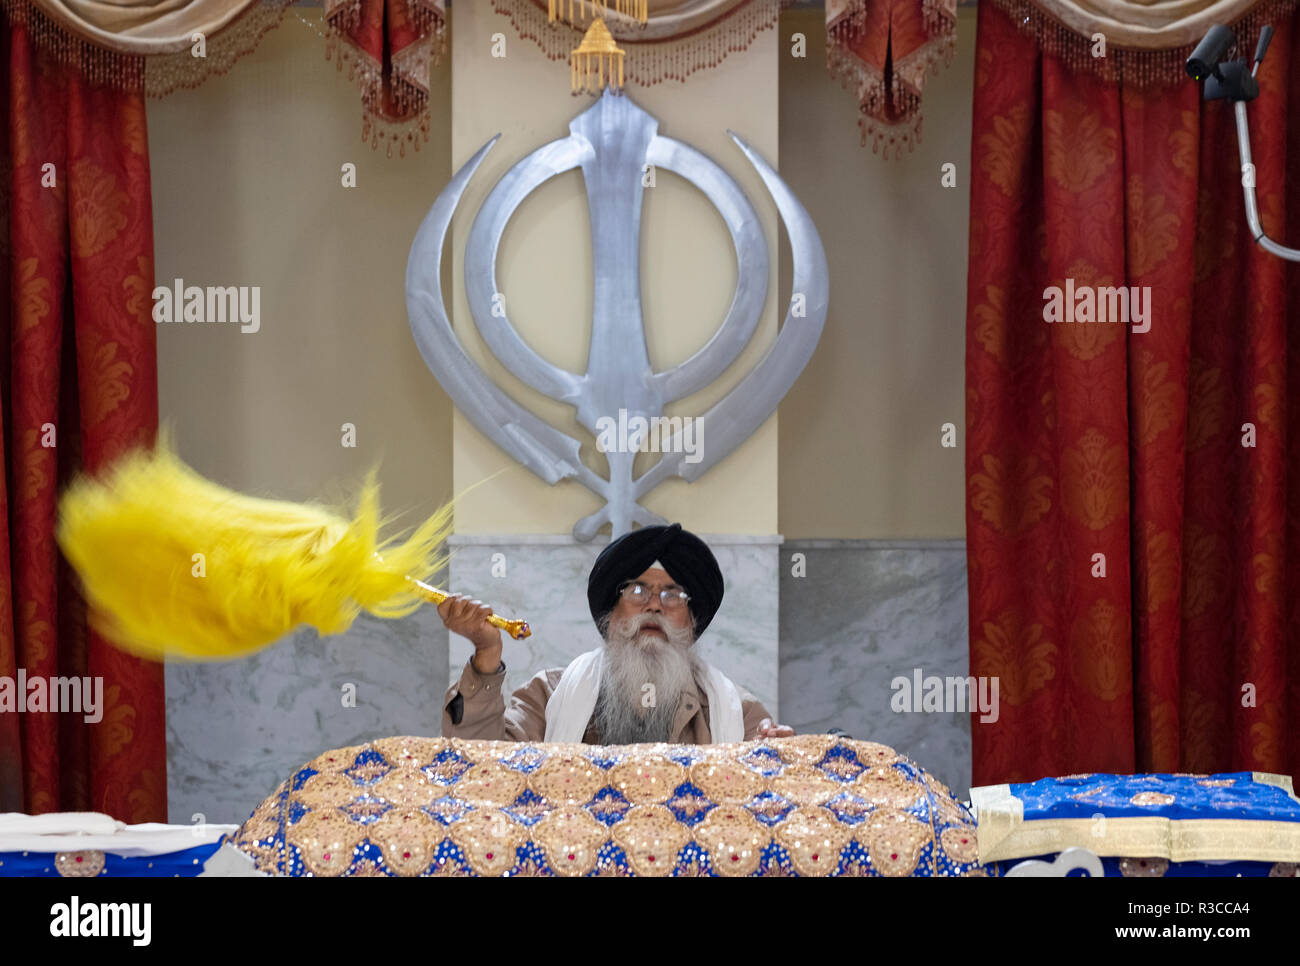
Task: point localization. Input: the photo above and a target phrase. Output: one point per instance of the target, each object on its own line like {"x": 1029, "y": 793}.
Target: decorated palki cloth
{"x": 812, "y": 805}
{"x": 1239, "y": 823}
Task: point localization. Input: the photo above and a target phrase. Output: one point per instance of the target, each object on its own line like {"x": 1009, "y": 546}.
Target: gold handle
{"x": 516, "y": 629}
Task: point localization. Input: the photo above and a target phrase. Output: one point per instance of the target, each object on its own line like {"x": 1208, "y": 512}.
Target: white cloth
{"x": 59, "y": 823}
{"x": 79, "y": 831}
{"x": 229, "y": 862}
{"x": 571, "y": 705}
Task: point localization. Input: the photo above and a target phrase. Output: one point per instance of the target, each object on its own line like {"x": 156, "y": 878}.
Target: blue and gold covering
{"x": 91, "y": 863}
{"x": 1157, "y": 819}
{"x": 812, "y": 805}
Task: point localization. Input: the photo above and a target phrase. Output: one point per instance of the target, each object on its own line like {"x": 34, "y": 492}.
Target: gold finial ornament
{"x": 593, "y": 64}
{"x": 637, "y": 10}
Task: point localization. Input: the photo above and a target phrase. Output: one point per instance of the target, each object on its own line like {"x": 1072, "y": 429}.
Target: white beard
{"x": 628, "y": 712}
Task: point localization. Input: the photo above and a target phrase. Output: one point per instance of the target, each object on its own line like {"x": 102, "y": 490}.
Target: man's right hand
{"x": 468, "y": 618}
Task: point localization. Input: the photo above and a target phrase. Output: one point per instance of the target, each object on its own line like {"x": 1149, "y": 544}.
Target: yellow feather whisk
{"x": 174, "y": 565}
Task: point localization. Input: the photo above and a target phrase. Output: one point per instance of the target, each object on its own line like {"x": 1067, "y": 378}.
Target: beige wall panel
{"x": 247, "y": 191}
{"x": 859, "y": 436}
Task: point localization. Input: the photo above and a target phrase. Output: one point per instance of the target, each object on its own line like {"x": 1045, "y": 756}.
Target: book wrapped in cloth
{"x": 92, "y": 844}
{"x": 1245, "y": 823}
{"x": 812, "y": 805}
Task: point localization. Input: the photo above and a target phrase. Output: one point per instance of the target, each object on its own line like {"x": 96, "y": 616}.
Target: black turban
{"x": 685, "y": 557}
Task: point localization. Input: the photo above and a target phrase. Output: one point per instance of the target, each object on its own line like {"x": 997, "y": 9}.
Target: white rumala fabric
{"x": 58, "y": 823}
{"x": 229, "y": 862}
{"x": 571, "y": 705}
{"x": 79, "y": 831}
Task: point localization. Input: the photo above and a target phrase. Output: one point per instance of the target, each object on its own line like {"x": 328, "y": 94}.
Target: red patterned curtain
{"x": 1092, "y": 438}
{"x": 78, "y": 385}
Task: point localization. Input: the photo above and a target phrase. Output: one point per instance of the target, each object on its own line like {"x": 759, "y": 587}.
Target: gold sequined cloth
{"x": 812, "y": 805}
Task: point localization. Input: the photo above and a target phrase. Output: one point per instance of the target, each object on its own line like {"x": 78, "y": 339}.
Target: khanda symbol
{"x": 613, "y": 142}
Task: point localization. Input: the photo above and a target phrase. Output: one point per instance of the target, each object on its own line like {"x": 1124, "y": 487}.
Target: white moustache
{"x": 633, "y": 630}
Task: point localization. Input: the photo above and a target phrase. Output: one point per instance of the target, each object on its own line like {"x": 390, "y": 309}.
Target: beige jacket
{"x": 483, "y": 711}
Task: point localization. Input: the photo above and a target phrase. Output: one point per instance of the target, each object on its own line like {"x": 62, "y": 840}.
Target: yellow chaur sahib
{"x": 174, "y": 565}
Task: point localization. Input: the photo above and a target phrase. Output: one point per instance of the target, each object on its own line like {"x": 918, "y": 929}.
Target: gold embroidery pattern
{"x": 959, "y": 844}
{"x": 888, "y": 787}
{"x": 569, "y": 780}
{"x": 814, "y": 839}
{"x": 727, "y": 781}
{"x": 647, "y": 780}
{"x": 805, "y": 783}
{"x": 572, "y": 840}
{"x": 812, "y": 805}
{"x": 894, "y": 841}
{"x": 734, "y": 840}
{"x": 650, "y": 837}
{"x": 450, "y": 869}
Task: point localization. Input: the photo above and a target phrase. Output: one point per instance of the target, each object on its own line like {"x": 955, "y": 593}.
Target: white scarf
{"x": 574, "y": 699}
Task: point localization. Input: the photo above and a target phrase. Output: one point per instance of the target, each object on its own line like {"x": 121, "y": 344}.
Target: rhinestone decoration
{"x": 79, "y": 864}
{"x": 1143, "y": 868}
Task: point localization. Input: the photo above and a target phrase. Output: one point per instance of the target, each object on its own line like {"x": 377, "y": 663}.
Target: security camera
{"x": 1204, "y": 61}
{"x": 1228, "y": 80}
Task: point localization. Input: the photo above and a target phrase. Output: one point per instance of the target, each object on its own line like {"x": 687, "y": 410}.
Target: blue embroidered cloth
{"x": 1237, "y": 816}
{"x": 1242, "y": 794}
{"x": 89, "y": 863}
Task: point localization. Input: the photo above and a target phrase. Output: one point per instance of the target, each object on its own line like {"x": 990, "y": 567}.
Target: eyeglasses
{"x": 639, "y": 594}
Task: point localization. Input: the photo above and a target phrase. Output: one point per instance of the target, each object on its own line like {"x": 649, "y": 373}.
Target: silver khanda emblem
{"x": 612, "y": 142}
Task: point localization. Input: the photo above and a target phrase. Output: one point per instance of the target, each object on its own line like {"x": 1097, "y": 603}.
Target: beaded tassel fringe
{"x": 650, "y": 62}
{"x": 154, "y": 75}
{"x": 1133, "y": 68}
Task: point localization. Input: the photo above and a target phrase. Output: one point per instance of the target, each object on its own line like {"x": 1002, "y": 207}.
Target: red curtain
{"x": 1093, "y": 438}
{"x": 79, "y": 376}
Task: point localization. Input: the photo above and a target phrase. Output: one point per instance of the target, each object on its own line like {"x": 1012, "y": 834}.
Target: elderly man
{"x": 652, "y": 592}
